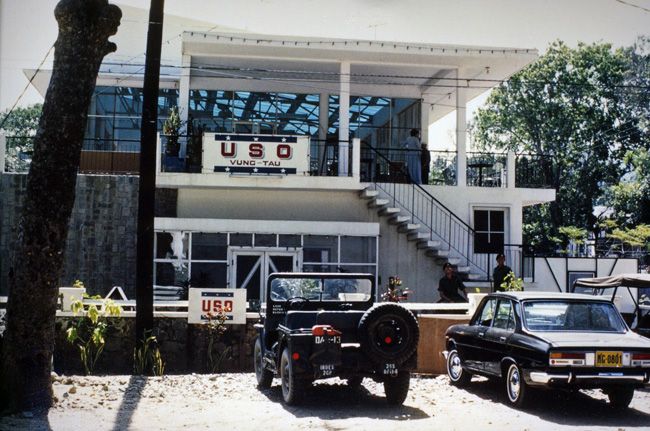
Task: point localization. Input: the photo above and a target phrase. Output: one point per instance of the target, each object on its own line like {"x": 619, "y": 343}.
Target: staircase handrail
{"x": 445, "y": 210}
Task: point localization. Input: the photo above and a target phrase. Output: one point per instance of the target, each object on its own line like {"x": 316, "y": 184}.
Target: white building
{"x": 334, "y": 115}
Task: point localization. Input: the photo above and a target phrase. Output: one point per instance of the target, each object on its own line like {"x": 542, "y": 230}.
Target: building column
{"x": 461, "y": 127}
{"x": 184, "y": 99}
{"x": 344, "y": 118}
{"x": 510, "y": 170}
{"x": 426, "y": 104}
{"x": 323, "y": 127}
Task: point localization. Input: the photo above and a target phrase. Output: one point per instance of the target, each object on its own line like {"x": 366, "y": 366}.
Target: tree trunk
{"x": 82, "y": 43}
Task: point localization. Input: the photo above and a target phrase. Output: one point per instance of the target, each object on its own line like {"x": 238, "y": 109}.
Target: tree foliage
{"x": 19, "y": 126}
{"x": 571, "y": 108}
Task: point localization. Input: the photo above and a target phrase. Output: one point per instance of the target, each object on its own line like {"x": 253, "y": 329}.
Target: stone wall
{"x": 183, "y": 347}
{"x": 101, "y": 247}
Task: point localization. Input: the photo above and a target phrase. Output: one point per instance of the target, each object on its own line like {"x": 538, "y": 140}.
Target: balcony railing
{"x": 533, "y": 171}
{"x": 122, "y": 156}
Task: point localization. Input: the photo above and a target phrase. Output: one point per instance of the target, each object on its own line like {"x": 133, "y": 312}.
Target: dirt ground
{"x": 233, "y": 402}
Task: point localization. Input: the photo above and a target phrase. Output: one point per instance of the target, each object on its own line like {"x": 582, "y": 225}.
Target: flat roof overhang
{"x": 250, "y": 62}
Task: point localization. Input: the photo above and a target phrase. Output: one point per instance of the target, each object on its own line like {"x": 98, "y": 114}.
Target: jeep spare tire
{"x": 388, "y": 333}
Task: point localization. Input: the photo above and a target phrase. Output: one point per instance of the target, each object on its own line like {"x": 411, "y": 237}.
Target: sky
{"x": 28, "y": 28}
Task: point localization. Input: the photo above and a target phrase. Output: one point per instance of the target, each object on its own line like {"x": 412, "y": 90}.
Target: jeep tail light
{"x": 295, "y": 356}
{"x": 566, "y": 358}
{"x": 324, "y": 330}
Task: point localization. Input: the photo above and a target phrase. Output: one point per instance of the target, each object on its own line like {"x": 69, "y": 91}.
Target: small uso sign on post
{"x": 255, "y": 154}
{"x": 203, "y": 301}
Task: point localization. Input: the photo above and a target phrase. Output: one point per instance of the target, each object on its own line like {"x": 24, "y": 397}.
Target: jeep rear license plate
{"x": 327, "y": 339}
{"x": 327, "y": 369}
{"x": 390, "y": 369}
{"x": 609, "y": 359}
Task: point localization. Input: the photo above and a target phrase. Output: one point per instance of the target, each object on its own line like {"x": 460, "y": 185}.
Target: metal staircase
{"x": 429, "y": 224}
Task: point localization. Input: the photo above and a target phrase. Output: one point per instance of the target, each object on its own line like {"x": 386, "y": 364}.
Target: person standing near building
{"x": 414, "y": 150}
{"x": 425, "y": 160}
{"x": 450, "y": 285}
{"x": 500, "y": 272}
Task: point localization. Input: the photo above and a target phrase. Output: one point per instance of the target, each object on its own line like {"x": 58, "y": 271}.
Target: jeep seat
{"x": 300, "y": 319}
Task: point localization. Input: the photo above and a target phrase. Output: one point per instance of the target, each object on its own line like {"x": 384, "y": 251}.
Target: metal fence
{"x": 533, "y": 171}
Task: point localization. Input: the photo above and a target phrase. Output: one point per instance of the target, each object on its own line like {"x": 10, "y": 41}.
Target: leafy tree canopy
{"x": 19, "y": 126}
{"x": 580, "y": 110}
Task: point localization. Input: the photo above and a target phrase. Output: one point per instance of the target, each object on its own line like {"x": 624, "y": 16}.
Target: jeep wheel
{"x": 397, "y": 387}
{"x": 354, "y": 382}
{"x": 388, "y": 333}
{"x": 292, "y": 389}
{"x": 264, "y": 376}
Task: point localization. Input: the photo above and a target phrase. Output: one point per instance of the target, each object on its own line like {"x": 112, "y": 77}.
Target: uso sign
{"x": 203, "y": 301}
{"x": 255, "y": 154}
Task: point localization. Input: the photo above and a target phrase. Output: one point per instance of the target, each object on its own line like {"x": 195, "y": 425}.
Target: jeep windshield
{"x": 318, "y": 288}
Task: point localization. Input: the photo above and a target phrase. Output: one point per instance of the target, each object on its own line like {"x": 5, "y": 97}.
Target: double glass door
{"x": 251, "y": 268}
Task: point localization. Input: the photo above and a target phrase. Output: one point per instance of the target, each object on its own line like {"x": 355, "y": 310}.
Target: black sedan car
{"x": 549, "y": 340}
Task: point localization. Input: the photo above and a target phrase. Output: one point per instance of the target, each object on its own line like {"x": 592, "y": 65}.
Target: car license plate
{"x": 609, "y": 359}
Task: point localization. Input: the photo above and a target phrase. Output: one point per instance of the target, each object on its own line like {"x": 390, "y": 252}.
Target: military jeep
{"x": 321, "y": 325}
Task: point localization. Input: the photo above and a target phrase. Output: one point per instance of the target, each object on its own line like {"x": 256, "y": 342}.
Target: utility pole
{"x": 147, "y": 190}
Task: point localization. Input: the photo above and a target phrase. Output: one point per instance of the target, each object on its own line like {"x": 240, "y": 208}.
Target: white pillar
{"x": 426, "y": 103}
{"x": 356, "y": 158}
{"x": 344, "y": 118}
{"x": 184, "y": 98}
{"x": 461, "y": 127}
{"x": 510, "y": 170}
{"x": 323, "y": 125}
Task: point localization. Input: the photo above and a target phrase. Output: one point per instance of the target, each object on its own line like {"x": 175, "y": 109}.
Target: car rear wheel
{"x": 397, "y": 387}
{"x": 516, "y": 387}
{"x": 620, "y": 398}
{"x": 457, "y": 375}
{"x": 388, "y": 333}
{"x": 292, "y": 389}
{"x": 264, "y": 376}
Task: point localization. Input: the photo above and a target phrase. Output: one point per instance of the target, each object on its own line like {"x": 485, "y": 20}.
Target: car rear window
{"x": 572, "y": 316}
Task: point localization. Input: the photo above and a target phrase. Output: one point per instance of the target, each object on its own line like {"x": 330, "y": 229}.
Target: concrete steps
{"x": 416, "y": 233}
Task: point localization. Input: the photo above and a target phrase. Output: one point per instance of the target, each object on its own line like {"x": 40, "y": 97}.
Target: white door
{"x": 251, "y": 268}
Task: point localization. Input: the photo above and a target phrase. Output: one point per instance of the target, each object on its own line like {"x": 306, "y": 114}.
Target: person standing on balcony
{"x": 499, "y": 273}
{"x": 450, "y": 285}
{"x": 414, "y": 150}
{"x": 425, "y": 163}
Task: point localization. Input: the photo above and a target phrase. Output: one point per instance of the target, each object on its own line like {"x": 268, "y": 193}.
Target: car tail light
{"x": 295, "y": 356}
{"x": 640, "y": 359}
{"x": 567, "y": 358}
{"x": 324, "y": 330}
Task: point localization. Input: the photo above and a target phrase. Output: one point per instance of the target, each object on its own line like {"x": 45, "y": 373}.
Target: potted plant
{"x": 194, "y": 145}
{"x": 171, "y": 129}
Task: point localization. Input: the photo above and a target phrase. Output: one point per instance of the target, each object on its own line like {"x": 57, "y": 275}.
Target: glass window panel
{"x": 209, "y": 246}
{"x": 319, "y": 248}
{"x": 171, "y": 245}
{"x": 355, "y": 249}
{"x": 290, "y": 241}
{"x": 209, "y": 275}
{"x": 170, "y": 273}
{"x": 487, "y": 314}
{"x": 265, "y": 240}
{"x": 497, "y": 221}
{"x": 481, "y": 220}
{"x": 241, "y": 239}
{"x": 307, "y": 267}
{"x": 361, "y": 269}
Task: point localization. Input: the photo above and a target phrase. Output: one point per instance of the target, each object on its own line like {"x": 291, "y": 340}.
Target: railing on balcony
{"x": 533, "y": 171}
{"x": 486, "y": 169}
